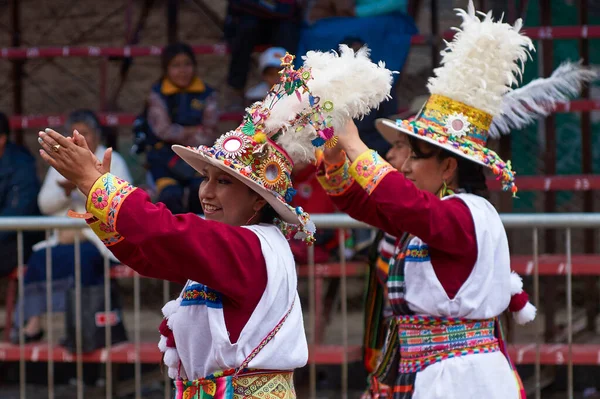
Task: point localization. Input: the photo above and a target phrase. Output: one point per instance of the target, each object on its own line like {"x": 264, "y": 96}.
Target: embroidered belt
{"x": 248, "y": 384}
{"x": 427, "y": 340}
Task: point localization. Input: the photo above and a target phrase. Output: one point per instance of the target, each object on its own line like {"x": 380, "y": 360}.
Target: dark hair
{"x": 87, "y": 117}
{"x": 171, "y": 51}
{"x": 352, "y": 40}
{"x": 470, "y": 175}
{"x": 267, "y": 214}
{"x": 4, "y": 125}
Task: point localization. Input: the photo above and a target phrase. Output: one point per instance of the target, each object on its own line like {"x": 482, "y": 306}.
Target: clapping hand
{"x": 72, "y": 158}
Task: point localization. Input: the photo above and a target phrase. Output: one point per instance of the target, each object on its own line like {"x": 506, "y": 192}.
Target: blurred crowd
{"x": 182, "y": 108}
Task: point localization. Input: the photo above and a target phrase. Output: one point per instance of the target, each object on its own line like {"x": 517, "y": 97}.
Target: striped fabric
{"x": 428, "y": 340}
{"x": 395, "y": 282}
{"x": 250, "y": 384}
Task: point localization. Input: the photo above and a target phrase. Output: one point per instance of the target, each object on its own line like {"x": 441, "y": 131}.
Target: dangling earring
{"x": 253, "y": 216}
{"x": 444, "y": 191}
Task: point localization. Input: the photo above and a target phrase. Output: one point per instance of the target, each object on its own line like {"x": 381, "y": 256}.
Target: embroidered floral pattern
{"x": 365, "y": 168}
{"x": 100, "y": 198}
{"x": 369, "y": 169}
{"x": 199, "y": 294}
{"x": 106, "y": 234}
{"x": 106, "y": 228}
{"x": 336, "y": 180}
{"x": 104, "y": 201}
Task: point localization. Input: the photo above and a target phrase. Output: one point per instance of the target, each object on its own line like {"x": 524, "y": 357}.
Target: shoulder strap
{"x": 265, "y": 341}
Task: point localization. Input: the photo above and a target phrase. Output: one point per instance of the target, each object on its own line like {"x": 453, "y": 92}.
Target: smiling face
{"x": 425, "y": 168}
{"x": 180, "y": 70}
{"x": 226, "y": 199}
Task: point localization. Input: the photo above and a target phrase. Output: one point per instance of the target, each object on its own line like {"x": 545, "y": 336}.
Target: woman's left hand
{"x": 73, "y": 162}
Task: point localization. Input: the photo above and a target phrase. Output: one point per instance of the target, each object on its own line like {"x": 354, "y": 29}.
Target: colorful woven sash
{"x": 248, "y": 384}
{"x": 427, "y": 340}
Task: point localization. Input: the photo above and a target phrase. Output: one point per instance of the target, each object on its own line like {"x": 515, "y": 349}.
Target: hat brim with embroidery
{"x": 300, "y": 114}
{"x": 471, "y": 96}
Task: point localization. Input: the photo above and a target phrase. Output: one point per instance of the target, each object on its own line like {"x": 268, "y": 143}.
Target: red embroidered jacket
{"x": 370, "y": 190}
{"x": 158, "y": 244}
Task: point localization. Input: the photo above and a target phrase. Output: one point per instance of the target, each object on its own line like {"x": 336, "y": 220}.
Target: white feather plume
{"x": 351, "y": 81}
{"x": 539, "y": 98}
{"x": 482, "y": 62}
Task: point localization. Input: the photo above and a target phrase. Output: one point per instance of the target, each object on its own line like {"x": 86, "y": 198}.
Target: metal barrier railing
{"x": 333, "y": 221}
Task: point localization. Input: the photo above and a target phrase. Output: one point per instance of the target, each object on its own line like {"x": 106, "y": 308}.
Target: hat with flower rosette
{"x": 299, "y": 114}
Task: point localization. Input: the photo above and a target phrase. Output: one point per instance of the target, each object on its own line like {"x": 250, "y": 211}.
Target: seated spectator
{"x": 321, "y": 9}
{"x": 269, "y": 65}
{"x": 19, "y": 187}
{"x": 181, "y": 109}
{"x": 251, "y": 23}
{"x": 56, "y": 198}
{"x": 313, "y": 199}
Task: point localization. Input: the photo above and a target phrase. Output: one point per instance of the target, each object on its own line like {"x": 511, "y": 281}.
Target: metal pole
{"x": 166, "y": 296}
{"x": 17, "y": 66}
{"x": 549, "y": 168}
{"x": 536, "y": 299}
{"x": 344, "y": 295}
{"x": 569, "y": 312}
{"x": 49, "y": 317}
{"x": 312, "y": 305}
{"x": 586, "y": 168}
{"x": 136, "y": 322}
{"x": 20, "y": 275}
{"x": 108, "y": 328}
{"x": 78, "y": 326}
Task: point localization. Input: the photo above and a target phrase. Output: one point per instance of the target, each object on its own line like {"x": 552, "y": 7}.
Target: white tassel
{"x": 516, "y": 283}
{"x": 162, "y": 343}
{"x": 540, "y": 97}
{"x": 526, "y": 314}
{"x": 171, "y": 357}
{"x": 172, "y": 372}
{"x": 171, "y": 307}
{"x": 170, "y": 322}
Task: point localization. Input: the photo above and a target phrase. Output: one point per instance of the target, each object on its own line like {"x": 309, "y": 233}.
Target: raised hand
{"x": 102, "y": 167}
{"x": 73, "y": 162}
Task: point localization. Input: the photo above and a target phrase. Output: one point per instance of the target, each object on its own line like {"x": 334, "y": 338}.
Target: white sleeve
{"x": 52, "y": 198}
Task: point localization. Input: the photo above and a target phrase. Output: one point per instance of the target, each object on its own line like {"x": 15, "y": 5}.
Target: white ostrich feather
{"x": 539, "y": 98}
{"x": 351, "y": 81}
{"x": 482, "y": 62}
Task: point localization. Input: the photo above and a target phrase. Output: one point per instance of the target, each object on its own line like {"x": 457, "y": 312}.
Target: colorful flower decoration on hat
{"x": 299, "y": 114}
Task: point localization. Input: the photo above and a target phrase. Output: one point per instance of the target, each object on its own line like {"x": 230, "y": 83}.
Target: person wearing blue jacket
{"x": 19, "y": 187}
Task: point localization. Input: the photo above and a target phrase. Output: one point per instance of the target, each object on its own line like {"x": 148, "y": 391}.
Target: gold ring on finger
{"x": 56, "y": 147}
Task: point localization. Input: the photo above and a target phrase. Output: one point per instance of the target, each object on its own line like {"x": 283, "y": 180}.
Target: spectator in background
{"x": 56, "y": 198}
{"x": 181, "y": 109}
{"x": 321, "y": 9}
{"x": 19, "y": 187}
{"x": 251, "y": 23}
{"x": 269, "y": 65}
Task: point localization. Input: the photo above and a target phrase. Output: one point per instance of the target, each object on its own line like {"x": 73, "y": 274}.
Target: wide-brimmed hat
{"x": 300, "y": 114}
{"x": 471, "y": 95}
